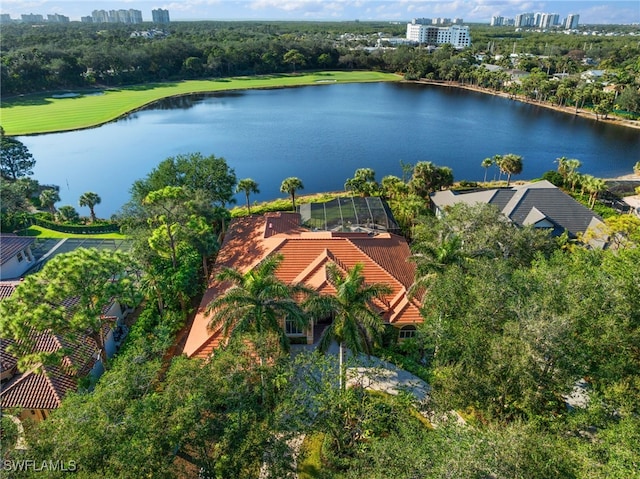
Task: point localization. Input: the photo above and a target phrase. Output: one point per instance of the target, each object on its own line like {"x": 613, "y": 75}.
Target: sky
{"x": 481, "y": 11}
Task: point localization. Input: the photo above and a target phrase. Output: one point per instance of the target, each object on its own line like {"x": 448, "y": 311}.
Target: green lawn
{"x": 41, "y": 232}
{"x": 43, "y": 113}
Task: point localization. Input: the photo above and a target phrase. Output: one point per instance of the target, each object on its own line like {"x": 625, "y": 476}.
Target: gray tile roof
{"x": 529, "y": 204}
{"x": 10, "y": 245}
{"x": 559, "y": 208}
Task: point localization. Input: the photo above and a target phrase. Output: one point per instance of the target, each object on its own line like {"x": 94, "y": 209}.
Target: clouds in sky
{"x": 591, "y": 11}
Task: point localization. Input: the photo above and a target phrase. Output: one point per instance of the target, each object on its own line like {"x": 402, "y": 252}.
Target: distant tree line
{"x": 78, "y": 55}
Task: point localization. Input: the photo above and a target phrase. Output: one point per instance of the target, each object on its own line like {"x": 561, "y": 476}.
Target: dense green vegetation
{"x": 513, "y": 318}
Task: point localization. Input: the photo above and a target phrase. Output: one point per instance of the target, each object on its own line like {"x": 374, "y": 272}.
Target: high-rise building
{"x": 5, "y": 18}
{"x": 497, "y": 21}
{"x": 549, "y": 20}
{"x": 32, "y": 18}
{"x": 100, "y": 16}
{"x": 525, "y": 20}
{"x": 55, "y": 18}
{"x": 160, "y": 16}
{"x": 456, "y": 35}
{"x": 117, "y": 16}
{"x": 537, "y": 19}
{"x": 572, "y": 21}
{"x": 87, "y": 19}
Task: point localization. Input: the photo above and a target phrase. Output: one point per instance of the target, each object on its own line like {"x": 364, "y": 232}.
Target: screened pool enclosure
{"x": 355, "y": 214}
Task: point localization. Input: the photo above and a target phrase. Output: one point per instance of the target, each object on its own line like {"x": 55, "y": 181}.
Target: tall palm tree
{"x": 248, "y": 186}
{"x": 90, "y": 199}
{"x": 355, "y": 323}
{"x": 291, "y": 185}
{"x": 49, "y": 198}
{"x": 496, "y": 161}
{"x": 511, "y": 165}
{"x": 636, "y": 168}
{"x": 257, "y": 302}
{"x": 486, "y": 164}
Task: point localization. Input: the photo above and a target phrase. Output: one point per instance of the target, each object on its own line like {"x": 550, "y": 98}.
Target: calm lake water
{"x": 321, "y": 134}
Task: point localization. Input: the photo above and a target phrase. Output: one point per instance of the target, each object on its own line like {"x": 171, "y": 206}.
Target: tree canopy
{"x": 15, "y": 159}
{"x": 67, "y": 298}
{"x": 210, "y": 174}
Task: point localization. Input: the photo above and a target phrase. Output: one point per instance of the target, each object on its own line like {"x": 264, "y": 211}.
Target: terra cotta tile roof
{"x": 305, "y": 256}
{"x": 41, "y": 388}
{"x": 7, "y": 288}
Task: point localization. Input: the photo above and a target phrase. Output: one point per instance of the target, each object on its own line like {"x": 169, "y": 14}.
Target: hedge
{"x": 78, "y": 229}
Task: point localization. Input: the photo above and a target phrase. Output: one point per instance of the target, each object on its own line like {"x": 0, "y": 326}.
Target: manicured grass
{"x": 41, "y": 232}
{"x": 284, "y": 204}
{"x": 43, "y": 113}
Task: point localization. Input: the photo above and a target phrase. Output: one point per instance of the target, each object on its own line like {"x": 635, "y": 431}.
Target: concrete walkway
{"x": 374, "y": 373}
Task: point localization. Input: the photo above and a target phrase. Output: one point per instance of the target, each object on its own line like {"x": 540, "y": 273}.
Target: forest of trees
{"x": 78, "y": 55}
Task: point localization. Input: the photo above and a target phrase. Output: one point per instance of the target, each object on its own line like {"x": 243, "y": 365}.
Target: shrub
{"x": 75, "y": 229}
{"x": 553, "y": 177}
{"x": 468, "y": 184}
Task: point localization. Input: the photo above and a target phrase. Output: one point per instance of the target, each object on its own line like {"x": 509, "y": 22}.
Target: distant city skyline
{"x": 472, "y": 11}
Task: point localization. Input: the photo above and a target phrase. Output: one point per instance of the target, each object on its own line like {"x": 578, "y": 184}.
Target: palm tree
{"x": 486, "y": 164}
{"x": 90, "y": 199}
{"x": 594, "y": 187}
{"x": 68, "y": 214}
{"x": 291, "y": 185}
{"x": 48, "y": 199}
{"x": 355, "y": 324}
{"x": 248, "y": 186}
{"x": 636, "y": 168}
{"x": 496, "y": 161}
{"x": 566, "y": 167}
{"x": 257, "y": 302}
{"x": 511, "y": 165}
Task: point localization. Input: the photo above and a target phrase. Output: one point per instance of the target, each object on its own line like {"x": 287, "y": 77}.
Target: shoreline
{"x": 571, "y": 110}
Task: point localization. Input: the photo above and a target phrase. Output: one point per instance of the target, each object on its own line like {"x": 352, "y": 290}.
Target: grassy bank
{"x": 41, "y": 232}
{"x": 46, "y": 113}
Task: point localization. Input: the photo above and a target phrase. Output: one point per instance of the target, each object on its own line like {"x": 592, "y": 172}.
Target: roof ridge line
{"x": 51, "y": 383}
{"x": 402, "y": 286}
{"x": 514, "y": 201}
{"x": 23, "y": 377}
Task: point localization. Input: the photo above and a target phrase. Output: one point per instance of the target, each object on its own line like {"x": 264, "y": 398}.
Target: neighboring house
{"x": 15, "y": 255}
{"x": 591, "y": 76}
{"x": 539, "y": 204}
{"x": 492, "y": 68}
{"x": 517, "y": 75}
{"x": 306, "y": 254}
{"x": 38, "y": 390}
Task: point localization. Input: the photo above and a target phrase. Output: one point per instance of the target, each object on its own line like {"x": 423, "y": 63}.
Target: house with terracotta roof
{"x": 36, "y": 391}
{"x": 15, "y": 255}
{"x": 306, "y": 254}
{"x": 540, "y": 204}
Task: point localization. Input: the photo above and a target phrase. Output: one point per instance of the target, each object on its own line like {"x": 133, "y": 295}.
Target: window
{"x": 291, "y": 328}
{"x": 20, "y": 257}
{"x": 407, "y": 332}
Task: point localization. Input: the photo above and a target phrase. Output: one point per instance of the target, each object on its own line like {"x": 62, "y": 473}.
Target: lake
{"x": 322, "y": 134}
